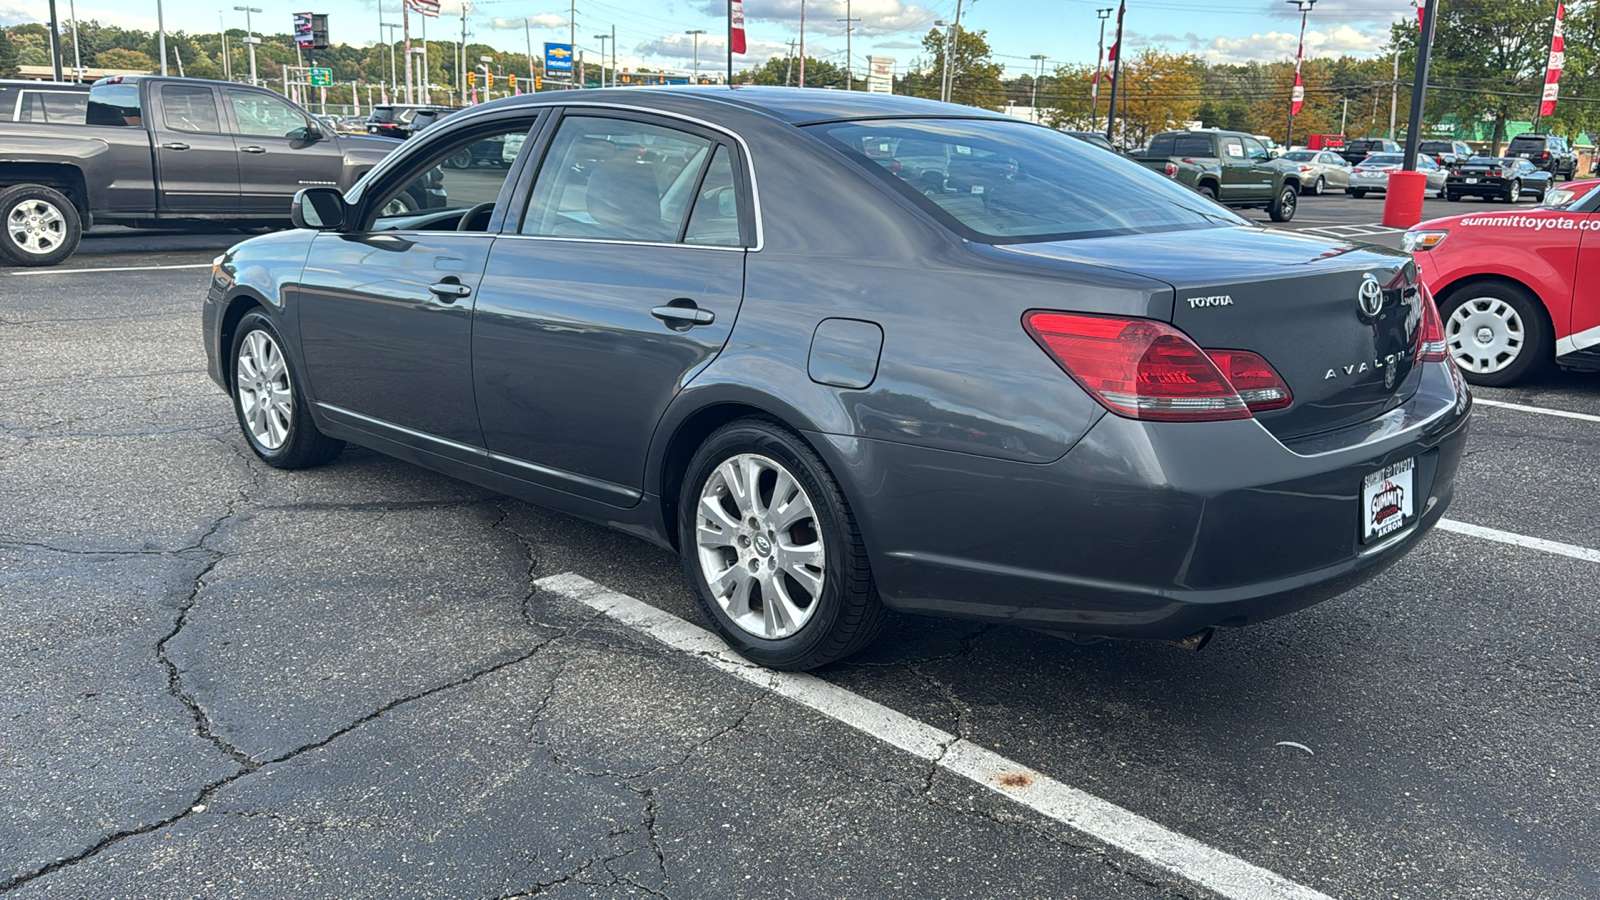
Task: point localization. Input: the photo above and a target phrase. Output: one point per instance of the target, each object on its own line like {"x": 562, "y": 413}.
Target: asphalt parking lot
{"x": 368, "y": 680}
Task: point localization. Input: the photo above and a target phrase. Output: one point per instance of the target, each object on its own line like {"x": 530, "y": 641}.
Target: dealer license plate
{"x": 1472, "y": 181}
{"x": 1388, "y": 500}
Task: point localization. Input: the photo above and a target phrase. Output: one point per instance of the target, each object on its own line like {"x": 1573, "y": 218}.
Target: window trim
{"x": 406, "y": 168}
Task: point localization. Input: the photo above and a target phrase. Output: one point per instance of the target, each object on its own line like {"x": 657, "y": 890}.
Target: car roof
{"x": 796, "y": 106}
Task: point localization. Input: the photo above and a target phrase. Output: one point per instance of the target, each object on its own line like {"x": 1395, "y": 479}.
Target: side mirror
{"x": 312, "y": 132}
{"x": 318, "y": 207}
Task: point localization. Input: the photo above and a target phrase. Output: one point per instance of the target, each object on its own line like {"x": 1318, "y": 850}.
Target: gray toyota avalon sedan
{"x": 849, "y": 353}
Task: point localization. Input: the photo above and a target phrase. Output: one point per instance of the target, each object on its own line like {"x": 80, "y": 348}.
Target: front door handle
{"x": 252, "y": 149}
{"x": 449, "y": 291}
{"x": 175, "y": 145}
{"x": 693, "y": 315}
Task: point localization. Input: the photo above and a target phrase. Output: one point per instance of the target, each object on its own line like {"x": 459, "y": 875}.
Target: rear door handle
{"x": 176, "y": 145}
{"x": 693, "y": 315}
{"x": 252, "y": 149}
{"x": 450, "y": 291}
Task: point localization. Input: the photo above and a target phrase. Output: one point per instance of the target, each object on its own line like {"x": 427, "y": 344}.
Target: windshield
{"x": 1002, "y": 182}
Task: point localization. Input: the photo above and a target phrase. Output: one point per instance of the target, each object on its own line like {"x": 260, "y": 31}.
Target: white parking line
{"x": 1228, "y": 876}
{"x": 1520, "y": 540}
{"x": 107, "y": 269}
{"x": 1543, "y": 411}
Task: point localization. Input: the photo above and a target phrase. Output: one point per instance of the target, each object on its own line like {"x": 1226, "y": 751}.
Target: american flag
{"x": 426, "y": 7}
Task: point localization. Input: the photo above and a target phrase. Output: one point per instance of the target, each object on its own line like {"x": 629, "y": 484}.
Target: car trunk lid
{"x": 1294, "y": 299}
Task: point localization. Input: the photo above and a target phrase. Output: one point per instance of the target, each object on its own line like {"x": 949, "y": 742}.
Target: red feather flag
{"x": 1552, "y": 71}
{"x": 736, "y": 26}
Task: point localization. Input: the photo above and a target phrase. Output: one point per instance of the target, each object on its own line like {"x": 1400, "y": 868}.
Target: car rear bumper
{"x": 1148, "y": 530}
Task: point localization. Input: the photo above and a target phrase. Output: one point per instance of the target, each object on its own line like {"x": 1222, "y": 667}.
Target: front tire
{"x": 772, "y": 550}
{"x": 1282, "y": 209}
{"x": 41, "y": 226}
{"x": 1497, "y": 333}
{"x": 272, "y": 413}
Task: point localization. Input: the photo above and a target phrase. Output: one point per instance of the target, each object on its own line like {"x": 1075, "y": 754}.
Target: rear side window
{"x": 191, "y": 109}
{"x": 114, "y": 104}
{"x": 714, "y": 221}
{"x": 1006, "y": 182}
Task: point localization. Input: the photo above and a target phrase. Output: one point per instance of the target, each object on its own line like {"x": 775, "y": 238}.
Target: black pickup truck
{"x": 150, "y": 151}
{"x": 1230, "y": 167}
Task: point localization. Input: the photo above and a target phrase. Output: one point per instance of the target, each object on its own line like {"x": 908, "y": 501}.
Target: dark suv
{"x": 1550, "y": 152}
{"x": 1361, "y": 148}
{"x": 401, "y": 121}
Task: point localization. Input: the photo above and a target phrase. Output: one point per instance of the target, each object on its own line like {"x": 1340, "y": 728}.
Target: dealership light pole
{"x": 1033, "y": 105}
{"x": 1298, "y": 94}
{"x": 394, "y": 61}
{"x": 602, "y": 38}
{"x": 161, "y": 37}
{"x": 849, "y": 29}
{"x": 696, "y": 32}
{"x": 1099, "y": 62}
{"x": 55, "y": 40}
{"x": 222, "y": 31}
{"x": 250, "y": 37}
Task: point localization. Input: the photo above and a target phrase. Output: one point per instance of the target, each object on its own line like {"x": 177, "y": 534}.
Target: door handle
{"x": 252, "y": 149}
{"x": 176, "y": 145}
{"x": 690, "y": 314}
{"x": 449, "y": 291}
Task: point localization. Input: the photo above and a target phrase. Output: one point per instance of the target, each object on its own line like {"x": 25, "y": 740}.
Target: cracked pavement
{"x": 228, "y": 680}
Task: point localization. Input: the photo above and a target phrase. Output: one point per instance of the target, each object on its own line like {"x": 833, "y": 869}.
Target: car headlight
{"x": 1422, "y": 240}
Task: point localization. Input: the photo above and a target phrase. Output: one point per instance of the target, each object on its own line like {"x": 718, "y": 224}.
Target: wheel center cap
{"x": 763, "y": 546}
{"x": 1485, "y": 334}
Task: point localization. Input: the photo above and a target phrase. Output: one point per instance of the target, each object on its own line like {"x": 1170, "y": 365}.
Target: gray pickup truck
{"x": 152, "y": 151}
{"x": 1230, "y": 167}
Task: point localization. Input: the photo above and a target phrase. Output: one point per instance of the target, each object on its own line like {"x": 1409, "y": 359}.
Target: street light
{"x": 602, "y": 38}
{"x": 944, "y": 72}
{"x": 1033, "y": 105}
{"x": 1099, "y": 61}
{"x": 1298, "y": 92}
{"x": 696, "y": 32}
{"x": 250, "y": 38}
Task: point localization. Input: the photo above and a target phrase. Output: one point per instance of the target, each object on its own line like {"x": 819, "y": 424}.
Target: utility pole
{"x": 802, "y": 43}
{"x": 849, "y": 67}
{"x": 1033, "y": 105}
{"x": 1116, "y": 71}
{"x": 77, "y": 58}
{"x": 951, "y": 51}
{"x": 222, "y": 30}
{"x": 405, "y": 30}
{"x": 55, "y": 40}
{"x": 695, "y": 32}
{"x": 250, "y": 37}
{"x": 1099, "y": 60}
{"x": 1345, "y": 114}
{"x": 944, "y": 64}
{"x": 572, "y": 43}
{"x": 789, "y": 69}
{"x": 1394, "y": 92}
{"x": 161, "y": 39}
{"x": 394, "y": 63}
{"x": 1298, "y": 93}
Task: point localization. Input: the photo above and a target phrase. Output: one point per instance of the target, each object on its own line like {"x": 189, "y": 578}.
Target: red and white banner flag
{"x": 1298, "y": 99}
{"x": 736, "y": 26}
{"x": 1552, "y": 71}
{"x": 428, "y": 8}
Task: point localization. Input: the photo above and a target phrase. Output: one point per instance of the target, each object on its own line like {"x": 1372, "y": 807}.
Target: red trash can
{"x": 1402, "y": 202}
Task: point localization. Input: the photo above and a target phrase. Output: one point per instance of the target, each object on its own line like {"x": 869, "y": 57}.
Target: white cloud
{"x": 713, "y": 47}
{"x": 823, "y": 16}
{"x": 17, "y": 12}
{"x": 1277, "y": 45}
{"x": 542, "y": 20}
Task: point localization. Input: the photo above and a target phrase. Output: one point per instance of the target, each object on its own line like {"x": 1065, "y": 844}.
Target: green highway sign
{"x": 321, "y": 77}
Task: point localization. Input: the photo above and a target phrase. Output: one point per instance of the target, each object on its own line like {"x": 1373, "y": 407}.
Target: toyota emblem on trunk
{"x": 1370, "y": 296}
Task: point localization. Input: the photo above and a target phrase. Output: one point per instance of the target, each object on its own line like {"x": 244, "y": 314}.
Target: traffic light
{"x": 513, "y": 78}
{"x": 472, "y": 78}
{"x": 488, "y": 79}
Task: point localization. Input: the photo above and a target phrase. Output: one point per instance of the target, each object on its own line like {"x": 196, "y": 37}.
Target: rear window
{"x": 1384, "y": 159}
{"x": 1193, "y": 145}
{"x": 1527, "y": 141}
{"x": 1002, "y": 182}
{"x": 382, "y": 114}
{"x": 1436, "y": 147}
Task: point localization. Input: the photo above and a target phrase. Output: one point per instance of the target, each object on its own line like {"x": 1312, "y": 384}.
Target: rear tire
{"x": 271, "y": 410}
{"x": 1282, "y": 209}
{"x": 761, "y": 517}
{"x": 1207, "y": 191}
{"x": 1357, "y": 193}
{"x": 1497, "y": 333}
{"x": 1319, "y": 186}
{"x": 39, "y": 226}
{"x": 1452, "y": 197}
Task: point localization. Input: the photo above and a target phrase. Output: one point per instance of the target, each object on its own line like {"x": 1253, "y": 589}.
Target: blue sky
{"x": 651, "y": 32}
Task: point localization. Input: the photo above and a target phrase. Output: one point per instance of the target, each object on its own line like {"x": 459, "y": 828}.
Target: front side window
{"x": 189, "y": 108}
{"x": 616, "y": 179}
{"x": 1233, "y": 148}
{"x": 452, "y": 185}
{"x": 1254, "y": 149}
{"x": 1011, "y": 182}
{"x": 260, "y": 115}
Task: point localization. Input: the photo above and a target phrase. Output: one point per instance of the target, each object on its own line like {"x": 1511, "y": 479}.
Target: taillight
{"x": 1138, "y": 368}
{"x": 1357, "y": 170}
{"x": 1259, "y": 385}
{"x": 895, "y": 166}
{"x": 1306, "y": 168}
{"x": 1545, "y": 155}
{"x": 1171, "y": 170}
{"x": 1430, "y": 337}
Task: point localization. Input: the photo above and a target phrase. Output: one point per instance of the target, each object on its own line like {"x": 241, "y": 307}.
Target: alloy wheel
{"x": 760, "y": 546}
{"x": 36, "y": 227}
{"x": 266, "y": 398}
{"x": 1485, "y": 335}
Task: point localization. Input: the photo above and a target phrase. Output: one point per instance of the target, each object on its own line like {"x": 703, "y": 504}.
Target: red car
{"x": 1517, "y": 289}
